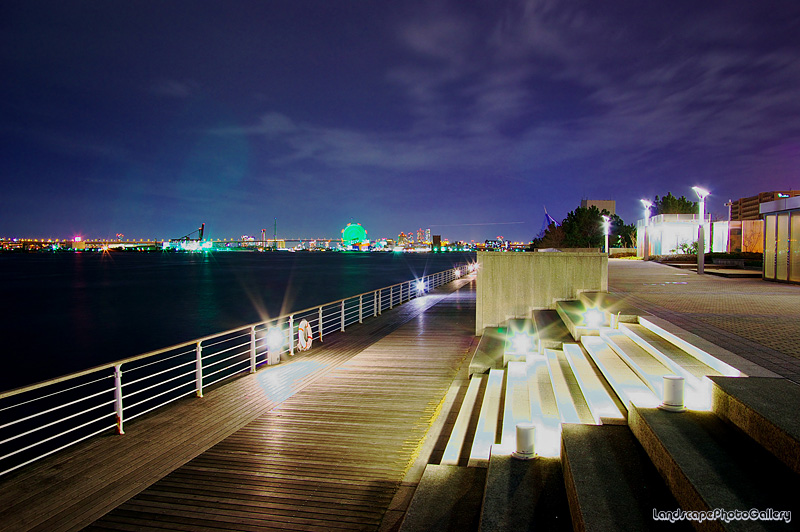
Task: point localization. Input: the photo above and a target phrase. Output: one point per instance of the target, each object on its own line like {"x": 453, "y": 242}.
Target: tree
{"x": 622, "y": 235}
{"x": 583, "y": 228}
{"x": 669, "y": 204}
{"x": 553, "y": 238}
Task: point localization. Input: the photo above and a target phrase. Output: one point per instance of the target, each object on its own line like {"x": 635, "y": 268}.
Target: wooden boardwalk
{"x": 319, "y": 443}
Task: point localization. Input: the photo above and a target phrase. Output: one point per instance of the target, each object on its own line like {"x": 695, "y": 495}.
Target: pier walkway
{"x": 325, "y": 441}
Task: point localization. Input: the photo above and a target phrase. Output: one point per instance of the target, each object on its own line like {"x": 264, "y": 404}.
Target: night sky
{"x": 148, "y": 118}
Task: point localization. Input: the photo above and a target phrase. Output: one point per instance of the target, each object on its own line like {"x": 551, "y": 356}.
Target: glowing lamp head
{"x": 457, "y": 273}
{"x": 420, "y": 285}
{"x": 701, "y": 192}
{"x": 275, "y": 338}
{"x": 606, "y": 224}
{"x": 594, "y": 317}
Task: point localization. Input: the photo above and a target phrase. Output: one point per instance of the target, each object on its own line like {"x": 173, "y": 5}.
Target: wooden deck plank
{"x": 359, "y": 426}
{"x": 348, "y": 432}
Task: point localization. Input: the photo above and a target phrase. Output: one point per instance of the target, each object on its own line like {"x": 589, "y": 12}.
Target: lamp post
{"x": 606, "y": 225}
{"x": 701, "y": 234}
{"x": 647, "y": 204}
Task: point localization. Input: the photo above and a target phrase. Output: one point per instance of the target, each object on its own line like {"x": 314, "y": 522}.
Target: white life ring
{"x": 304, "y": 336}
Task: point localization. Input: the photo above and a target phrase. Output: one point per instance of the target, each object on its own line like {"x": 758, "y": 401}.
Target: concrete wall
{"x": 511, "y": 285}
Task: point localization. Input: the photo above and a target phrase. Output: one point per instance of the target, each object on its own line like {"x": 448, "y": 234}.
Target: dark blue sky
{"x": 149, "y": 117}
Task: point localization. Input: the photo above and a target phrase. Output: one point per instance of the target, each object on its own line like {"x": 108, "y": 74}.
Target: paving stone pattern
{"x": 756, "y": 319}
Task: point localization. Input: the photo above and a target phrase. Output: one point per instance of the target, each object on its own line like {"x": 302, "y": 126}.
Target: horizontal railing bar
{"x": 55, "y": 393}
{"x": 54, "y": 436}
{"x": 161, "y": 382}
{"x": 48, "y": 453}
{"x": 181, "y": 396}
{"x": 159, "y": 361}
{"x": 59, "y": 420}
{"x": 165, "y": 392}
{"x": 215, "y": 353}
{"x": 148, "y": 377}
{"x": 205, "y": 367}
{"x": 43, "y": 412}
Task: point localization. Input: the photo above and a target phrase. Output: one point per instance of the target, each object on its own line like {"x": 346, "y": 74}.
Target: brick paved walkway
{"x": 756, "y": 319}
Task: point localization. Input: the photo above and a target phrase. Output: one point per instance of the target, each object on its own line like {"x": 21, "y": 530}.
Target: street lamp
{"x": 647, "y": 204}
{"x": 701, "y": 233}
{"x": 606, "y": 225}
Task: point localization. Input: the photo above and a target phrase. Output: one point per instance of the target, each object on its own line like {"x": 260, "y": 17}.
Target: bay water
{"x": 64, "y": 312}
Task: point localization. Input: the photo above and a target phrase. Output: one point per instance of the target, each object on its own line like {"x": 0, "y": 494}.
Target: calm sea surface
{"x": 64, "y": 312}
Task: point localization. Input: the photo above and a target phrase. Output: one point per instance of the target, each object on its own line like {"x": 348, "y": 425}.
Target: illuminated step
{"x": 626, "y": 384}
{"x": 645, "y": 365}
{"x": 520, "y": 340}
{"x": 701, "y": 349}
{"x": 486, "y": 432}
{"x": 517, "y": 408}
{"x": 543, "y": 407}
{"x": 458, "y": 436}
{"x": 580, "y": 319}
{"x": 572, "y": 407}
{"x": 550, "y": 330}
{"x": 694, "y": 372}
{"x": 603, "y": 408}
{"x": 489, "y": 353}
{"x": 614, "y": 305}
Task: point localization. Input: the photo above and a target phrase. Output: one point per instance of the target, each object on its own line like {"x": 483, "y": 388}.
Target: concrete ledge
{"x": 610, "y": 483}
{"x": 489, "y": 353}
{"x": 550, "y": 330}
{"x": 448, "y": 498}
{"x": 708, "y": 465}
{"x": 765, "y": 409}
{"x": 510, "y": 285}
{"x": 524, "y": 495}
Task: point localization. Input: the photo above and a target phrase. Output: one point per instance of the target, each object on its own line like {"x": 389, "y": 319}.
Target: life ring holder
{"x": 304, "y": 336}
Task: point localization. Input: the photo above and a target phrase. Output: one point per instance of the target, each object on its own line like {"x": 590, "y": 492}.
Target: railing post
{"x": 198, "y": 370}
{"x": 342, "y": 315}
{"x": 375, "y": 304}
{"x": 380, "y": 303}
{"x": 118, "y": 397}
{"x": 252, "y": 349}
{"x": 391, "y": 296}
{"x": 320, "y": 324}
{"x": 361, "y": 308}
{"x": 291, "y": 335}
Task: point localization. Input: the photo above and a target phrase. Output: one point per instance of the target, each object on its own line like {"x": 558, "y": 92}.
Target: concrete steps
{"x": 550, "y": 329}
{"x": 447, "y": 499}
{"x": 622, "y": 311}
{"x": 610, "y": 482}
{"x": 710, "y": 465}
{"x": 524, "y": 495}
{"x": 732, "y": 453}
{"x": 766, "y": 410}
{"x": 581, "y": 319}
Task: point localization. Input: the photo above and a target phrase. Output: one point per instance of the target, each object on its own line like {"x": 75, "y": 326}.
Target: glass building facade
{"x": 782, "y": 240}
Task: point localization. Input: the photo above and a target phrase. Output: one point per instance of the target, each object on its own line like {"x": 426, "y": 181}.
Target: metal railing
{"x": 41, "y": 419}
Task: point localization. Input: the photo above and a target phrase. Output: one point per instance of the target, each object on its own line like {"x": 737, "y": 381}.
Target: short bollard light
{"x": 673, "y": 394}
{"x": 275, "y": 342}
{"x": 526, "y": 433}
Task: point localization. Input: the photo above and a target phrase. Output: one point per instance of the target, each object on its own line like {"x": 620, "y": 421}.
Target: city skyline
{"x": 151, "y": 118}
